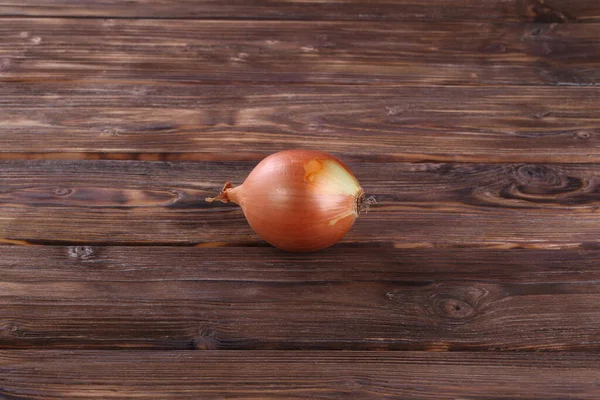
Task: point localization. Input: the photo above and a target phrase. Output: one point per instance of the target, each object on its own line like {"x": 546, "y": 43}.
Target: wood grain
{"x": 404, "y": 10}
{"x": 419, "y": 204}
{"x": 474, "y": 124}
{"x": 95, "y": 297}
{"x": 297, "y": 375}
{"x": 165, "y": 121}
{"x": 276, "y": 52}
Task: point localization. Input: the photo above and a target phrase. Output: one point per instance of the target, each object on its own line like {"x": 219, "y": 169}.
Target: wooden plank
{"x": 403, "y": 10}
{"x": 275, "y": 52}
{"x": 297, "y": 375}
{"x": 258, "y": 298}
{"x": 419, "y": 204}
{"x": 218, "y": 122}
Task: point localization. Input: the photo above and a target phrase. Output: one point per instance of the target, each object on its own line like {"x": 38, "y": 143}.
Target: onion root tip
{"x": 364, "y": 204}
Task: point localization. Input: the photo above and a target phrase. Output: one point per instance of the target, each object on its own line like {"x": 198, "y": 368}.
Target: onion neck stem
{"x": 228, "y": 194}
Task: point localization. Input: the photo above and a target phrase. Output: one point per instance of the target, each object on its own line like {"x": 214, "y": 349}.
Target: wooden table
{"x": 475, "y": 124}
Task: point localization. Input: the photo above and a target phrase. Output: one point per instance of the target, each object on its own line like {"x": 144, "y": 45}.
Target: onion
{"x": 299, "y": 200}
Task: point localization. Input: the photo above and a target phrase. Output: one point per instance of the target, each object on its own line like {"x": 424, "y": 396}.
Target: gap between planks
{"x": 357, "y": 158}
{"x": 483, "y": 245}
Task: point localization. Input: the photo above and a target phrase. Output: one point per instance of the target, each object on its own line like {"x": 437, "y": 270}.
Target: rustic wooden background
{"x": 475, "y": 124}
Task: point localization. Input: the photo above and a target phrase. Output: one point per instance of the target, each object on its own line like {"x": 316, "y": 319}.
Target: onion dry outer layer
{"x": 298, "y": 200}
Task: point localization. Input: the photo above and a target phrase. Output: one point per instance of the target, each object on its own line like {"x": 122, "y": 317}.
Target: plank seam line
{"x": 316, "y": 20}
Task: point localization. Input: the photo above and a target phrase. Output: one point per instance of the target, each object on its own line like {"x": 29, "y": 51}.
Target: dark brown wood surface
{"x": 182, "y": 298}
{"x": 475, "y": 125}
{"x": 297, "y": 375}
{"x": 168, "y": 121}
{"x": 323, "y": 52}
{"x": 546, "y": 11}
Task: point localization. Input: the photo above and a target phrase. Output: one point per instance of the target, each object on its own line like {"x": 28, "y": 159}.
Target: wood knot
{"x": 314, "y": 126}
{"x": 541, "y": 114}
{"x": 455, "y": 308}
{"x": 62, "y": 192}
{"x": 538, "y": 174}
{"x": 81, "y": 252}
{"x": 456, "y": 302}
{"x": 10, "y": 329}
{"x": 240, "y": 57}
{"x": 583, "y": 135}
{"x": 450, "y": 301}
{"x": 392, "y": 111}
{"x": 109, "y": 132}
{"x": 206, "y": 340}
{"x": 544, "y": 180}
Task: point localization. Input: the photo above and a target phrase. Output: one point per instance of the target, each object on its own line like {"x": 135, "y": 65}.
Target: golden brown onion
{"x": 298, "y": 200}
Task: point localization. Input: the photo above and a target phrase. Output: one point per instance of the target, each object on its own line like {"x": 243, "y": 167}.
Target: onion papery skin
{"x": 299, "y": 200}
